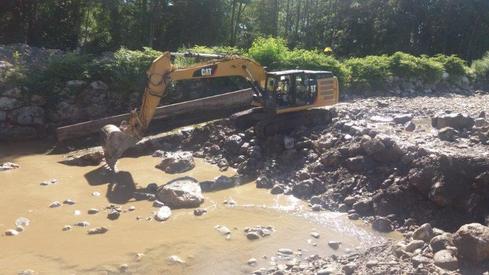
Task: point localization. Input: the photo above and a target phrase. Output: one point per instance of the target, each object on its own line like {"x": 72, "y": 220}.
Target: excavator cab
{"x": 295, "y": 90}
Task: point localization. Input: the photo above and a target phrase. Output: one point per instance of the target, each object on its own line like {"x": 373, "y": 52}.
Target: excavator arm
{"x": 160, "y": 73}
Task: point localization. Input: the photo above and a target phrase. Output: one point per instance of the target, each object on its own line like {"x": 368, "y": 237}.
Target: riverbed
{"x": 135, "y": 240}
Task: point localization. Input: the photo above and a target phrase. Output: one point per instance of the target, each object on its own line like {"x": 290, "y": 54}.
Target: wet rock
{"x": 252, "y": 236}
{"x": 264, "y": 182}
{"x": 67, "y": 227}
{"x": 98, "y": 230}
{"x": 424, "y": 232}
{"x": 255, "y": 232}
{"x": 93, "y": 211}
{"x": 176, "y": 162}
{"x": 123, "y": 268}
{"x": 163, "y": 214}
{"x": 278, "y": 189}
{"x": 175, "y": 259}
{"x": 55, "y": 204}
{"x": 303, "y": 188}
{"x": 113, "y": 214}
{"x": 316, "y": 207}
{"x": 334, "y": 244}
{"x": 448, "y": 134}
{"x": 69, "y": 202}
{"x": 382, "y": 224}
{"x": 219, "y": 183}
{"x": 441, "y": 242}
{"x": 182, "y": 192}
{"x": 353, "y": 216}
{"x": 363, "y": 207}
{"x": 86, "y": 157}
{"x": 11, "y": 232}
{"x": 82, "y": 224}
{"x": 453, "y": 120}
{"x": 285, "y": 251}
{"x": 22, "y": 221}
{"x": 8, "y": 166}
{"x": 200, "y": 211}
{"x": 252, "y": 262}
{"x": 223, "y": 230}
{"x": 403, "y": 118}
{"x": 446, "y": 260}
{"x": 315, "y": 235}
{"x": 472, "y": 242}
{"x": 232, "y": 144}
{"x": 27, "y": 272}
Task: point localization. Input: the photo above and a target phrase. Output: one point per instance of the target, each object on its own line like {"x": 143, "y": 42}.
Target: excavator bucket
{"x": 115, "y": 143}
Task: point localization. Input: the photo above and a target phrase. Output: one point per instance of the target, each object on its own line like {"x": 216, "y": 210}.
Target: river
{"x": 139, "y": 242}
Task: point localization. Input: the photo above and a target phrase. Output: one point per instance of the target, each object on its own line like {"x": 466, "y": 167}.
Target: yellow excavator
{"x": 274, "y": 93}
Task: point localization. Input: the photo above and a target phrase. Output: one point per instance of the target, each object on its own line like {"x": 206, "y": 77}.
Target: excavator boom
{"x": 118, "y": 139}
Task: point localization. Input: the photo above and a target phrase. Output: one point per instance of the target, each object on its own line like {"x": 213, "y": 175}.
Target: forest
{"x": 349, "y": 27}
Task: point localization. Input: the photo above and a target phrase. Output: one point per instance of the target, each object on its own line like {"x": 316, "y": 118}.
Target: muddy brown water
{"x": 46, "y": 249}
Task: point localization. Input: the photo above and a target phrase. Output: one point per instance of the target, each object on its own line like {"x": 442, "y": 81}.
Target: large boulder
{"x": 184, "y": 192}
{"x": 472, "y": 242}
{"x": 176, "y": 162}
{"x": 453, "y": 120}
{"x": 8, "y": 103}
{"x": 29, "y": 115}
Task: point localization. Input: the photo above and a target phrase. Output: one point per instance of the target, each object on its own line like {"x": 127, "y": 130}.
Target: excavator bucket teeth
{"x": 115, "y": 143}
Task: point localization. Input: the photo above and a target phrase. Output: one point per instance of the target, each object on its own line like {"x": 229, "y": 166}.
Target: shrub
{"x": 452, "y": 64}
{"x": 269, "y": 52}
{"x": 368, "y": 72}
{"x": 481, "y": 68}
{"x": 125, "y": 72}
{"x": 408, "y": 66}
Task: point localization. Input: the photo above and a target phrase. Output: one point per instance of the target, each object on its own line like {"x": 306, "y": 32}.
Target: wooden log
{"x": 232, "y": 100}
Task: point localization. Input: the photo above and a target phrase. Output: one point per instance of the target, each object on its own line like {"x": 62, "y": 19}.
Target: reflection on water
{"x": 45, "y": 248}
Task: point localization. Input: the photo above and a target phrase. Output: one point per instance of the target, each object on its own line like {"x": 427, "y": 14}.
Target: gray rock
{"x": 478, "y": 122}
{"x": 413, "y": 245}
{"x": 182, "y": 192}
{"x": 200, "y": 211}
{"x": 410, "y": 126}
{"x": 454, "y": 120}
{"x": 472, "y": 242}
{"x": 29, "y": 115}
{"x": 278, "y": 189}
{"x": 446, "y": 260}
{"x": 349, "y": 268}
{"x": 448, "y": 134}
{"x": 334, "y": 244}
{"x": 353, "y": 216}
{"x": 285, "y": 251}
{"x": 98, "y": 230}
{"x": 223, "y": 230}
{"x": 163, "y": 214}
{"x": 263, "y": 182}
{"x": 8, "y": 166}
{"x": 232, "y": 144}
{"x": 3, "y": 116}
{"x": 363, "y": 207}
{"x": 419, "y": 259}
{"x": 252, "y": 235}
{"x": 424, "y": 232}
{"x": 8, "y": 103}
{"x": 219, "y": 183}
{"x": 55, "y": 204}
{"x": 441, "y": 242}
{"x": 176, "y": 162}
{"x": 403, "y": 118}
{"x": 382, "y": 224}
{"x": 11, "y": 232}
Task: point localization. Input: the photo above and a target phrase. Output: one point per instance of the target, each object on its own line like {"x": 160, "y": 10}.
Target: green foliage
{"x": 481, "y": 68}
{"x": 453, "y": 65}
{"x": 408, "y": 66}
{"x": 369, "y": 71}
{"x": 269, "y": 52}
{"x": 126, "y": 71}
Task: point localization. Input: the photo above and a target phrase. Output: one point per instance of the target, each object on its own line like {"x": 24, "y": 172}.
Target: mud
{"x": 45, "y": 248}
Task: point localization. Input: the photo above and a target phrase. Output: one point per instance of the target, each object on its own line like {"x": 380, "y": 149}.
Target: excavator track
{"x": 285, "y": 123}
